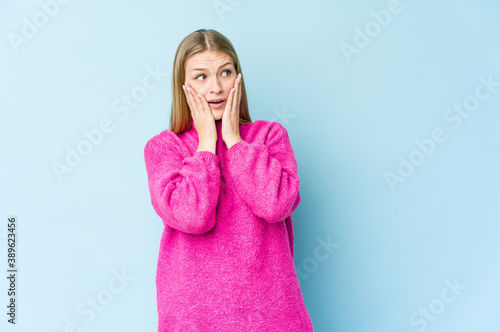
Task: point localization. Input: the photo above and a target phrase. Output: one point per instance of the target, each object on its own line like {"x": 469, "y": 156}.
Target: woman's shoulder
{"x": 267, "y": 126}
{"x": 269, "y": 129}
{"x": 165, "y": 140}
{"x": 260, "y": 123}
{"x": 163, "y": 136}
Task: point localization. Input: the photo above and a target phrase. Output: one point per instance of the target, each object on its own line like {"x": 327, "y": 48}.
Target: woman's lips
{"x": 217, "y": 106}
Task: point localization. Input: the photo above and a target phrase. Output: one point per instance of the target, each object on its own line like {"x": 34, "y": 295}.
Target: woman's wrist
{"x": 207, "y": 145}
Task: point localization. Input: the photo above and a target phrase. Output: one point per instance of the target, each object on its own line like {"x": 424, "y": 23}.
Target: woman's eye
{"x": 203, "y": 76}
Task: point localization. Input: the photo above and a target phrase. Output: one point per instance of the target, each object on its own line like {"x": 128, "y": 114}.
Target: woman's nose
{"x": 216, "y": 86}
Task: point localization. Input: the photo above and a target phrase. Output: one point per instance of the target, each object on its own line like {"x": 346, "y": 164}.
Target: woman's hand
{"x": 203, "y": 119}
{"x": 231, "y": 116}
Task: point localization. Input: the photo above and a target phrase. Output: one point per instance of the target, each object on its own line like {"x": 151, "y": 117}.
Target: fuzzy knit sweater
{"x": 226, "y": 253}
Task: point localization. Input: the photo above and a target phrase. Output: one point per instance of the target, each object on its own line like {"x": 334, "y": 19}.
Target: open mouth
{"x": 217, "y": 104}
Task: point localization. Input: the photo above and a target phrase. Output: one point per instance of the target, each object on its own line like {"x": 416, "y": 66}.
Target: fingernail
{"x": 198, "y": 95}
{"x": 239, "y": 78}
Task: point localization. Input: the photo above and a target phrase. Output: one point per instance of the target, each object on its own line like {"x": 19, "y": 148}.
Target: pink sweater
{"x": 226, "y": 253}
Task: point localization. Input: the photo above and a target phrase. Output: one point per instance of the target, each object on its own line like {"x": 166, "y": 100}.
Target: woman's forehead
{"x": 208, "y": 59}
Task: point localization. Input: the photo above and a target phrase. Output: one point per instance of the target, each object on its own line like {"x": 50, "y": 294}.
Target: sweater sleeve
{"x": 184, "y": 191}
{"x": 265, "y": 175}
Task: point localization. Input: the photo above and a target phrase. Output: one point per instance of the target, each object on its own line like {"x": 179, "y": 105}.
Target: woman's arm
{"x": 265, "y": 176}
{"x": 184, "y": 191}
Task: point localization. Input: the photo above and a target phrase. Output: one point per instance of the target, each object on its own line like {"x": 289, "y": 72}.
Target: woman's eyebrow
{"x": 227, "y": 63}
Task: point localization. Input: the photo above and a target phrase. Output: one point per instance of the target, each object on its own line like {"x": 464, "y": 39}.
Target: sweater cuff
{"x": 238, "y": 147}
{"x": 207, "y": 156}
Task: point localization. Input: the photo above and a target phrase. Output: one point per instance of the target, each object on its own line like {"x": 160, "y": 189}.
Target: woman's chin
{"x": 217, "y": 114}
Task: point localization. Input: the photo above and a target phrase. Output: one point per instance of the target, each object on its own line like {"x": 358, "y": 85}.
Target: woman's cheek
{"x": 200, "y": 89}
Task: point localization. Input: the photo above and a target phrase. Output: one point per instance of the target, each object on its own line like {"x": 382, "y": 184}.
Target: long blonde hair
{"x": 196, "y": 42}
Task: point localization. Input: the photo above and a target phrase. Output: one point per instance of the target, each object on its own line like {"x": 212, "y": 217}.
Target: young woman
{"x": 225, "y": 188}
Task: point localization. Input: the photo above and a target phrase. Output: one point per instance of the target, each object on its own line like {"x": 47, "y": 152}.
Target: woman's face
{"x": 212, "y": 75}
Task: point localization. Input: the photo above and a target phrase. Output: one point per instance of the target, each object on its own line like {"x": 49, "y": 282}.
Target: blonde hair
{"x": 199, "y": 41}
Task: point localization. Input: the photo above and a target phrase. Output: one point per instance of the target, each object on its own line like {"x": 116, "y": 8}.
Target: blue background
{"x": 420, "y": 254}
